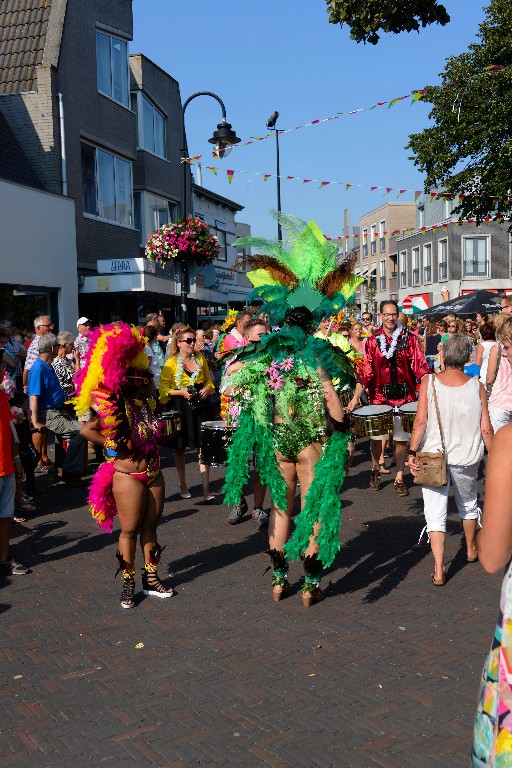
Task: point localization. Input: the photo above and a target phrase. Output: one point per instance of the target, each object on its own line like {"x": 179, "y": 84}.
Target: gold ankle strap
{"x": 150, "y": 567}
{"x": 129, "y": 573}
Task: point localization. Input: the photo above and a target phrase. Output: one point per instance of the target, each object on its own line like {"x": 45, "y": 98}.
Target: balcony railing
{"x": 476, "y": 268}
{"x": 416, "y": 277}
{"x": 443, "y": 270}
{"x": 382, "y": 241}
{"x": 427, "y": 278}
{"x": 383, "y": 283}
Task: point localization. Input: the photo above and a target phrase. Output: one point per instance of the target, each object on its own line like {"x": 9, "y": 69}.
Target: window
{"x": 403, "y": 269}
{"x": 151, "y": 212}
{"x": 443, "y": 260}
{"x": 475, "y": 256}
{"x": 382, "y": 235}
{"x": 112, "y": 67}
{"x": 415, "y": 266}
{"x": 448, "y": 208}
{"x": 150, "y": 126}
{"x": 365, "y": 243}
{"x": 107, "y": 185}
{"x": 374, "y": 239}
{"x": 220, "y": 232}
{"x": 383, "y": 274}
{"x": 421, "y": 216}
{"x": 427, "y": 263}
{"x": 372, "y": 282}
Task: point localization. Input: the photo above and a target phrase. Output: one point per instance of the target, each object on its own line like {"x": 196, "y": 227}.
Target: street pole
{"x": 278, "y": 171}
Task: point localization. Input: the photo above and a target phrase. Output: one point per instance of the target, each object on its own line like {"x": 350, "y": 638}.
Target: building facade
{"x": 441, "y": 259}
{"x": 377, "y": 255}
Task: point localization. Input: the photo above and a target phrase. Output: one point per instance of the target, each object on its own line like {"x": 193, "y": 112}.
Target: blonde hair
{"x": 173, "y": 346}
{"x": 504, "y": 327}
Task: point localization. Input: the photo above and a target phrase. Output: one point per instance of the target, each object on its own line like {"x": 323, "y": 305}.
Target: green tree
{"x": 367, "y": 17}
{"x": 468, "y": 148}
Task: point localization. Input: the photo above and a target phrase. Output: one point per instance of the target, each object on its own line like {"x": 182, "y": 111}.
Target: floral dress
{"x": 492, "y": 735}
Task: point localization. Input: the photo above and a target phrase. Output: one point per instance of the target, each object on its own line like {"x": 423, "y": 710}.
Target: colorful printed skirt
{"x": 492, "y": 736}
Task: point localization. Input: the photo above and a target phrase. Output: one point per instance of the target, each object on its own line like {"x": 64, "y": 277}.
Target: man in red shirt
{"x": 395, "y": 363}
{"x": 10, "y": 467}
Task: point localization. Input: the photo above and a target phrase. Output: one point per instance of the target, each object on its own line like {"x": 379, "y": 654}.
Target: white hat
{"x": 82, "y": 321}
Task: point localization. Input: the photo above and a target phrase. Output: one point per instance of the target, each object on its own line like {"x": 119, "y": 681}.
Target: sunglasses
{"x": 45, "y": 325}
{"x": 188, "y": 341}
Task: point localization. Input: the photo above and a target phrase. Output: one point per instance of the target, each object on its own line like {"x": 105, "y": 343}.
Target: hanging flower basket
{"x": 188, "y": 239}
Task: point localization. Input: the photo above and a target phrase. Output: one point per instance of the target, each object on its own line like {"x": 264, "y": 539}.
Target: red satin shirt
{"x": 411, "y": 366}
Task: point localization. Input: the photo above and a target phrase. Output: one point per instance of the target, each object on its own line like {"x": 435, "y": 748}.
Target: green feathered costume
{"x": 280, "y": 380}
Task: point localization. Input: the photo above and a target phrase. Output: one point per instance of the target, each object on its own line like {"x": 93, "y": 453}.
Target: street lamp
{"x": 223, "y": 138}
{"x": 271, "y": 123}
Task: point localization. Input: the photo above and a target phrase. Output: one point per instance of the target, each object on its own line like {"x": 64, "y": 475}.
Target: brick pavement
{"x": 382, "y": 673}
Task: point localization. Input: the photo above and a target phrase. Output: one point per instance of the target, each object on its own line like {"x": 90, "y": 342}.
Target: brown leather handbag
{"x": 432, "y": 466}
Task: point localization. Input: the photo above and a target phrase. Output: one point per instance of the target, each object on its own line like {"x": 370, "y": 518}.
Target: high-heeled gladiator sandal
{"x": 128, "y": 593}
{"x": 151, "y": 584}
{"x": 311, "y": 584}
{"x": 280, "y": 586}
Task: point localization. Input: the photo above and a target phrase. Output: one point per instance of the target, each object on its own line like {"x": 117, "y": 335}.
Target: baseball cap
{"x": 82, "y": 321}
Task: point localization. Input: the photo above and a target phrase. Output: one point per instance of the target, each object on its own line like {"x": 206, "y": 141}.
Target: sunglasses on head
{"x": 188, "y": 341}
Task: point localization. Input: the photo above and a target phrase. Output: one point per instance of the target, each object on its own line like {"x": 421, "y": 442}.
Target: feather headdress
{"x": 304, "y": 271}
{"x": 112, "y": 349}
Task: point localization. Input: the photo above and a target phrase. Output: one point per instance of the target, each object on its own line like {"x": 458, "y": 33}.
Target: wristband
{"x": 17, "y": 460}
{"x": 110, "y": 444}
{"x": 412, "y": 453}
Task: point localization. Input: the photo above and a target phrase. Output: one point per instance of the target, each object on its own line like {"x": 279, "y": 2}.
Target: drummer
{"x": 395, "y": 363}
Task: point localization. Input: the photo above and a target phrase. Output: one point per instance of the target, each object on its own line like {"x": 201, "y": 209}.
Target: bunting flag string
{"x": 415, "y": 95}
{"x": 433, "y": 195}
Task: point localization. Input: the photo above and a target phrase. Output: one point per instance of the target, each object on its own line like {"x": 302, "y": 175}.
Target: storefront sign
{"x": 124, "y": 266}
{"x": 224, "y": 275}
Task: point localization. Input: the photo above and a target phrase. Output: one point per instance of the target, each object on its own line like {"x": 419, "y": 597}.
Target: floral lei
{"x": 382, "y": 341}
{"x": 179, "y": 371}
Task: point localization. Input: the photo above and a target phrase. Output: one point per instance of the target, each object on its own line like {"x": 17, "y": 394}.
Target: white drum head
{"x": 408, "y": 408}
{"x": 371, "y": 410}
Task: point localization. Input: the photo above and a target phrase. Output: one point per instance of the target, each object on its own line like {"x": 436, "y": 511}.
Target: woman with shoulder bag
{"x": 499, "y": 375}
{"x": 459, "y": 426}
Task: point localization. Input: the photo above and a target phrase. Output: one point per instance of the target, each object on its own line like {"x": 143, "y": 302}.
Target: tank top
{"x": 501, "y": 396}
{"x": 487, "y": 346}
{"x": 460, "y": 409}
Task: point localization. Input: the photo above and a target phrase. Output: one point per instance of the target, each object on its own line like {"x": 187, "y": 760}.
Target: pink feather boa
{"x": 122, "y": 348}
{"x": 101, "y": 498}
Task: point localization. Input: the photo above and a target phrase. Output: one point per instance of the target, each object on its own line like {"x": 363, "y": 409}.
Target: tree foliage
{"x": 468, "y": 148}
{"x": 367, "y": 17}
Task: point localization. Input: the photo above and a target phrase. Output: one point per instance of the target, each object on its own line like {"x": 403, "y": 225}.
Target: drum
{"x": 214, "y": 439}
{"x": 407, "y": 413}
{"x": 346, "y": 396}
{"x": 172, "y": 423}
{"x": 373, "y": 420}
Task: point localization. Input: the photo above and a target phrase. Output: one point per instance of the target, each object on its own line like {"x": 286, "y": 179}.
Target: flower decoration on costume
{"x": 190, "y": 237}
{"x": 229, "y": 321}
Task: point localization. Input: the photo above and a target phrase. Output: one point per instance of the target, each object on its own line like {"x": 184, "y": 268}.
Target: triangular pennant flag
{"x": 356, "y": 236}
{"x": 395, "y": 232}
{"x": 445, "y": 226}
{"x": 499, "y": 218}
{"x": 470, "y": 221}
{"x": 215, "y": 154}
{"x": 212, "y": 169}
{"x": 365, "y": 234}
{"x": 400, "y": 192}
{"x": 458, "y": 222}
{"x": 494, "y": 68}
{"x": 388, "y": 190}
{"x": 347, "y": 186}
{"x": 461, "y": 198}
{"x": 417, "y": 96}
{"x": 434, "y": 227}
{"x": 477, "y": 198}
{"x": 324, "y": 184}
{"x": 372, "y": 189}
{"x": 433, "y": 195}
{"x": 306, "y": 181}
{"x": 447, "y": 196}
{"x": 290, "y": 177}
{"x": 423, "y": 229}
{"x": 417, "y": 195}
{"x": 230, "y": 175}
{"x": 487, "y": 219}
{"x": 266, "y": 176}
{"x": 392, "y": 102}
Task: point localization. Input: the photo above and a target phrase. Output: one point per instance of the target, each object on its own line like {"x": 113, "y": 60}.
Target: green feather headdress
{"x": 302, "y": 272}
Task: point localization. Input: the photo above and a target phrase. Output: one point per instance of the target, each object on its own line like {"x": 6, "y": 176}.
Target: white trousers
{"x": 435, "y": 500}
{"x": 499, "y": 417}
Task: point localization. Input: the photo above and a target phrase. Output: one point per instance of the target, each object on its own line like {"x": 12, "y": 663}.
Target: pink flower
{"x": 287, "y": 364}
{"x": 277, "y": 383}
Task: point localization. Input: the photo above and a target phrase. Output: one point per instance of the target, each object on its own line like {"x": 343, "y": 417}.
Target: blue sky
{"x": 283, "y": 55}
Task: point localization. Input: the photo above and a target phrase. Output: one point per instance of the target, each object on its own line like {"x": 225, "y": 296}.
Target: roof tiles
{"x": 23, "y": 27}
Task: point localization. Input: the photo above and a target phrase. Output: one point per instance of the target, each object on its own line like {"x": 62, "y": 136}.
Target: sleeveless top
{"x": 460, "y": 409}
{"x": 487, "y": 346}
{"x": 501, "y": 396}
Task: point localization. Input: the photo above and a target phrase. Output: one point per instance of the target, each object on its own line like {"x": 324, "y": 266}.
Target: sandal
{"x": 315, "y": 595}
{"x": 151, "y": 584}
{"x": 472, "y": 559}
{"x": 384, "y": 470}
{"x": 128, "y": 593}
{"x": 438, "y": 582}
{"x": 400, "y": 488}
{"x": 375, "y": 480}
{"x": 19, "y": 519}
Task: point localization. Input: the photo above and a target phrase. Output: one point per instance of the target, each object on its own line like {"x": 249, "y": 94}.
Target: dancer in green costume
{"x": 286, "y": 407}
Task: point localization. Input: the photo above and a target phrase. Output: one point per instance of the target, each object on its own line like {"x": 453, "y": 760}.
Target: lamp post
{"x": 271, "y": 123}
{"x": 223, "y": 138}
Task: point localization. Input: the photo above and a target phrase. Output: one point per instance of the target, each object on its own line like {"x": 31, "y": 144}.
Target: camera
{"x": 194, "y": 401}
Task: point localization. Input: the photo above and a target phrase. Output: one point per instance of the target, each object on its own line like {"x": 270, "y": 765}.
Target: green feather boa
{"x": 322, "y": 503}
